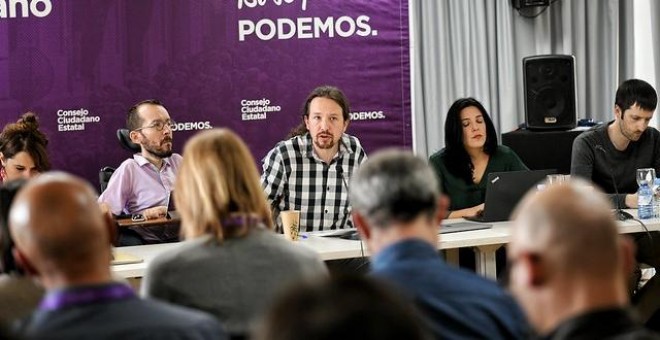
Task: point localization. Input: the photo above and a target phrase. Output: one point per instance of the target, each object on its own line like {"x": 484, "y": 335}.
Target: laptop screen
{"x": 505, "y": 189}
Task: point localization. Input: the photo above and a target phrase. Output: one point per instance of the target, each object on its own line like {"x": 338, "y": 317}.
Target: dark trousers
{"x": 128, "y": 237}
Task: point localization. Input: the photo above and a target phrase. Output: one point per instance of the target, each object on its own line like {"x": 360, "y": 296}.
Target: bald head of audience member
{"x": 60, "y": 233}
{"x": 566, "y": 256}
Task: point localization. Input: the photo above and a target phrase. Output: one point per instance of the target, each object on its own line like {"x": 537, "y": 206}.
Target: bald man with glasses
{"x": 143, "y": 184}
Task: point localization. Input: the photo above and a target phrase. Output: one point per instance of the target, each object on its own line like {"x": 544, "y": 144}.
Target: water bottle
{"x": 645, "y": 201}
{"x": 656, "y": 198}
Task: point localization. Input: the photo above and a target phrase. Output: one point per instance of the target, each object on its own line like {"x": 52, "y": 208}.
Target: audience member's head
{"x": 395, "y": 194}
{"x": 341, "y": 308}
{"x": 217, "y": 191}
{"x": 23, "y": 149}
{"x": 150, "y": 126}
{"x": 8, "y": 191}
{"x": 60, "y": 233}
{"x": 566, "y": 256}
{"x": 312, "y": 103}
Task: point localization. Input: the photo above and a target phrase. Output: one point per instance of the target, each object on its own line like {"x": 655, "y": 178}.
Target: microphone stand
{"x": 340, "y": 172}
{"x": 619, "y": 213}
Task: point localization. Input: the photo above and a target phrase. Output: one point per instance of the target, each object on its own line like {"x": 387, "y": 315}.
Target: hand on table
{"x": 155, "y": 212}
{"x": 477, "y": 209}
{"x": 467, "y": 212}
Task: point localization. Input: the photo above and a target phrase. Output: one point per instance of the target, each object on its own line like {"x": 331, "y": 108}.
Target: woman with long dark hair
{"x": 471, "y": 152}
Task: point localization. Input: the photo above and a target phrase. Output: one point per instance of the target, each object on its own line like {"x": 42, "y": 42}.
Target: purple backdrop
{"x": 81, "y": 63}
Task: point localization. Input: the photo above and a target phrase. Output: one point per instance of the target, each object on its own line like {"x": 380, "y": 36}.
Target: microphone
{"x": 619, "y": 213}
{"x": 340, "y": 173}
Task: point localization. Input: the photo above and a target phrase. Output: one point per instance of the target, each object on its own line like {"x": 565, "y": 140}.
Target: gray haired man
{"x": 397, "y": 208}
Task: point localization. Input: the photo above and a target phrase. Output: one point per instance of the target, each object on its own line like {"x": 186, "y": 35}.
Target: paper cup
{"x": 291, "y": 224}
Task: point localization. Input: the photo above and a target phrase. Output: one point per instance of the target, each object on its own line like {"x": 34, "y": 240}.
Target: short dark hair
{"x": 24, "y": 135}
{"x": 133, "y": 119}
{"x": 8, "y": 191}
{"x": 635, "y": 91}
{"x": 325, "y": 91}
{"x": 344, "y": 307}
{"x": 394, "y": 186}
{"x": 456, "y": 157}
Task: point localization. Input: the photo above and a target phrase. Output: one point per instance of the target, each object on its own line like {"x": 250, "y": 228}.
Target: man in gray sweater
{"x": 610, "y": 154}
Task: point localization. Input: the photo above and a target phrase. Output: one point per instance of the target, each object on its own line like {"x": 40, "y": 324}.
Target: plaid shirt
{"x": 295, "y": 178}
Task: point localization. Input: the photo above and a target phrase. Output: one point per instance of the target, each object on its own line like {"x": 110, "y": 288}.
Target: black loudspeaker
{"x": 550, "y": 101}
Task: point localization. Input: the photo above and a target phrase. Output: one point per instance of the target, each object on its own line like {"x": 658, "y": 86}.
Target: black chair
{"x": 125, "y": 141}
{"x": 104, "y": 176}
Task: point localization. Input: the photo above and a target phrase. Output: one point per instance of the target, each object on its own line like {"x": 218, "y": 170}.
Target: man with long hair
{"x": 310, "y": 171}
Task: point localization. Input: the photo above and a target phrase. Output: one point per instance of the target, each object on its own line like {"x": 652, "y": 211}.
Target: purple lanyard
{"x": 85, "y": 295}
{"x": 238, "y": 220}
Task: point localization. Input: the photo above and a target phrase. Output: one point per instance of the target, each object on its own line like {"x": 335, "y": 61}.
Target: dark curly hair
{"x": 24, "y": 135}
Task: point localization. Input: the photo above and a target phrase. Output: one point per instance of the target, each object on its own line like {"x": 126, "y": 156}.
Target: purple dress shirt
{"x": 138, "y": 185}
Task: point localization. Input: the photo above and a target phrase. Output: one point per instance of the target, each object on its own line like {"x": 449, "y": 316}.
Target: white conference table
{"x": 485, "y": 242}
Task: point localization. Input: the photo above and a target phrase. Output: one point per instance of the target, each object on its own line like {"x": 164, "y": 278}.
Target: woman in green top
{"x": 471, "y": 152}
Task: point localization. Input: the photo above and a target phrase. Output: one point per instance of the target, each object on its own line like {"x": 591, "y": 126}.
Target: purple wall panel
{"x": 101, "y": 56}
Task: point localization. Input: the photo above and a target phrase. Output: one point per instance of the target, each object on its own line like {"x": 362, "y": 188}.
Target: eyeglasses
{"x": 159, "y": 125}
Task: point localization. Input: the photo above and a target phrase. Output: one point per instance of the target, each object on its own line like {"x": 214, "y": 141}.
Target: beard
{"x": 630, "y": 135}
{"x": 324, "y": 141}
{"x": 160, "y": 150}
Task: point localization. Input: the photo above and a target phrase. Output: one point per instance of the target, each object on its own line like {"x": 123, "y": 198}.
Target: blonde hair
{"x": 218, "y": 181}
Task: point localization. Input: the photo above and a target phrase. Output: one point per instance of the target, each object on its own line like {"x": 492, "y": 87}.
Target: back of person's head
{"x": 458, "y": 159}
{"x": 341, "y": 308}
{"x": 133, "y": 119}
{"x": 217, "y": 190}
{"x": 8, "y": 191}
{"x": 636, "y": 92}
{"x": 6, "y": 333}
{"x": 325, "y": 91}
{"x": 24, "y": 136}
{"x": 59, "y": 229}
{"x": 394, "y": 186}
{"x": 565, "y": 244}
{"x": 571, "y": 224}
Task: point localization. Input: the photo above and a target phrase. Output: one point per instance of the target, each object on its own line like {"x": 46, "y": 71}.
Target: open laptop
{"x": 504, "y": 190}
